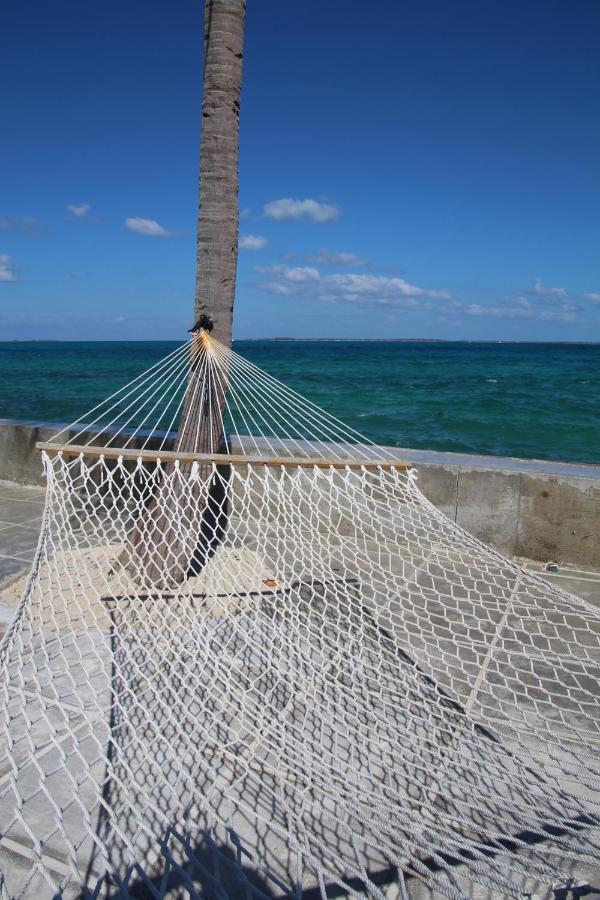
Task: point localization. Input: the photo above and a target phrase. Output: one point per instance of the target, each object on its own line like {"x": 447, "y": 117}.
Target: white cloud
{"x": 294, "y": 274}
{"x": 146, "y": 226}
{"x": 290, "y": 273}
{"x": 287, "y": 210}
{"x": 594, "y": 296}
{"x": 371, "y": 285}
{"x": 6, "y": 269}
{"x": 252, "y": 242}
{"x": 245, "y": 213}
{"x": 328, "y": 258}
{"x": 79, "y": 210}
{"x": 540, "y": 290}
{"x": 277, "y": 287}
{"x": 348, "y": 287}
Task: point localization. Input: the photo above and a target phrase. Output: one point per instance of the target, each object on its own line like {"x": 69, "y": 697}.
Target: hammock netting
{"x": 274, "y": 669}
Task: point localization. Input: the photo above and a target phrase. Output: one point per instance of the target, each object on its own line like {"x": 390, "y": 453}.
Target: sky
{"x": 408, "y": 169}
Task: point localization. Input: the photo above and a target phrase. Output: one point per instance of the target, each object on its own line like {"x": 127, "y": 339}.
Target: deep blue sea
{"x": 531, "y": 400}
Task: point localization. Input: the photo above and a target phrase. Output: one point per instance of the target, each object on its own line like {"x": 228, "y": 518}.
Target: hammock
{"x": 274, "y": 669}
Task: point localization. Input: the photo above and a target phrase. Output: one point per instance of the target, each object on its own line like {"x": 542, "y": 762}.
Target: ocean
{"x": 539, "y": 401}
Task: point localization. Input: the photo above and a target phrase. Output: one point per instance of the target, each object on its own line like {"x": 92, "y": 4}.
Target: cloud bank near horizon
{"x": 393, "y": 292}
{"x": 346, "y": 287}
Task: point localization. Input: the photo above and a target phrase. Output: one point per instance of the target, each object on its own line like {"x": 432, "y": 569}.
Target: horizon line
{"x": 292, "y": 340}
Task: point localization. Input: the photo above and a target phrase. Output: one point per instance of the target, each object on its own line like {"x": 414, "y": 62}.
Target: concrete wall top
{"x": 500, "y": 463}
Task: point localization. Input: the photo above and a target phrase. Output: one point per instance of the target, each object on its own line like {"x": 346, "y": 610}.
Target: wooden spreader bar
{"x": 221, "y": 459}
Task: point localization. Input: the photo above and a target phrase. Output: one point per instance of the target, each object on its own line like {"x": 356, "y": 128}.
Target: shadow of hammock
{"x": 148, "y": 750}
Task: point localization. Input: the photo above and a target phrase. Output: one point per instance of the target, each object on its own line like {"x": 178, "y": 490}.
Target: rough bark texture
{"x": 218, "y": 219}
{"x": 167, "y": 552}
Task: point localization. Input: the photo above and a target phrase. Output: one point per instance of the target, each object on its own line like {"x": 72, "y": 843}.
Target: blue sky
{"x": 407, "y": 169}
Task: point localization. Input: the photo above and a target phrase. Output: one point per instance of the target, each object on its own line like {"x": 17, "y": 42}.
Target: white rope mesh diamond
{"x": 346, "y": 694}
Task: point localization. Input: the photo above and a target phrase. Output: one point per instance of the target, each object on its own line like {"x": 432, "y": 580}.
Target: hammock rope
{"x": 255, "y": 661}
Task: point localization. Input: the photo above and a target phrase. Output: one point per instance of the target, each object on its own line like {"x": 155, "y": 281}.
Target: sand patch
{"x": 90, "y": 589}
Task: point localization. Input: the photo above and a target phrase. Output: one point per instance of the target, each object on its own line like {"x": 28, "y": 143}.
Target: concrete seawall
{"x": 535, "y": 509}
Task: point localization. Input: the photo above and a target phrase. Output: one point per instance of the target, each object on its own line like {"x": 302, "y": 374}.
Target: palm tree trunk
{"x": 157, "y": 547}
{"x": 218, "y": 219}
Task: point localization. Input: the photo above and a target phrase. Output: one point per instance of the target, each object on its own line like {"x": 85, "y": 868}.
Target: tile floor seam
{"x": 10, "y": 556}
{"x": 29, "y": 551}
{"x": 27, "y": 525}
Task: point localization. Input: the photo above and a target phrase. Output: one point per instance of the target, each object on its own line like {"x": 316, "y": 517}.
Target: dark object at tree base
{"x": 204, "y": 323}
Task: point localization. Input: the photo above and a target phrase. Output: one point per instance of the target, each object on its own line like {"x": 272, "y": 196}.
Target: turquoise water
{"x": 529, "y": 400}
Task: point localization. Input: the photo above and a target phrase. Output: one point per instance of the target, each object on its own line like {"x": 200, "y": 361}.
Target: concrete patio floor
{"x": 21, "y": 508}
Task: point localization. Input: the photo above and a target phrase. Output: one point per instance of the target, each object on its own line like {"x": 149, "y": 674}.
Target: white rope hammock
{"x": 255, "y": 661}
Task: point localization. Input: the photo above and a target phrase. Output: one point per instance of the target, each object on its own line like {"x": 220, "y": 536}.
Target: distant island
{"x": 362, "y": 340}
{"x": 329, "y": 340}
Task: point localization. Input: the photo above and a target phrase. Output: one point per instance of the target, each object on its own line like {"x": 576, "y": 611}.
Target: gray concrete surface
{"x": 538, "y": 509}
{"x": 541, "y": 516}
{"x": 490, "y": 765}
{"x": 21, "y": 510}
